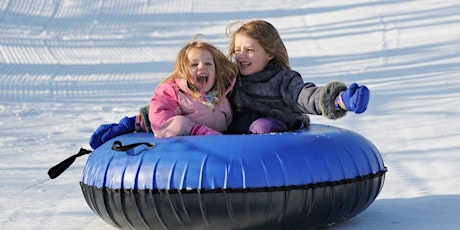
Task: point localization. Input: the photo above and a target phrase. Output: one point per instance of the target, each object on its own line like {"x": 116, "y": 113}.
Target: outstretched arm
{"x": 334, "y": 99}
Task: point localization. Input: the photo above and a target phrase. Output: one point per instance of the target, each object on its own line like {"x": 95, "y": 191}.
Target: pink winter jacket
{"x": 174, "y": 111}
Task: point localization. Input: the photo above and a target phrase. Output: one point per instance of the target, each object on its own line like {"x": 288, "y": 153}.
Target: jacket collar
{"x": 266, "y": 74}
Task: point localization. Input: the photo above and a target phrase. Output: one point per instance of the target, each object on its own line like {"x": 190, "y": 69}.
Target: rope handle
{"x": 118, "y": 146}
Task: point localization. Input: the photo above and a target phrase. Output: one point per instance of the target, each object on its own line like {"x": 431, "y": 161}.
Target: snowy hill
{"x": 67, "y": 66}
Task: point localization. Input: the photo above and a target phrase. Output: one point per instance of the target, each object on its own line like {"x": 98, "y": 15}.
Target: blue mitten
{"x": 355, "y": 98}
{"x": 108, "y": 131}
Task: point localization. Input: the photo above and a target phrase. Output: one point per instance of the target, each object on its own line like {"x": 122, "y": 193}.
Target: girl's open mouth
{"x": 202, "y": 79}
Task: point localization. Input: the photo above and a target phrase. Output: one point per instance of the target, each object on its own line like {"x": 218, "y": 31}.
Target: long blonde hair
{"x": 267, "y": 36}
{"x": 226, "y": 70}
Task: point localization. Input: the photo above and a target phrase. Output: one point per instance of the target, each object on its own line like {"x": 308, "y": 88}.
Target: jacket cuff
{"x": 327, "y": 98}
{"x": 144, "y": 113}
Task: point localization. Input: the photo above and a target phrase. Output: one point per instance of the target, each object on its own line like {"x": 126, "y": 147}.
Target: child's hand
{"x": 203, "y": 130}
{"x": 106, "y": 132}
{"x": 355, "y": 98}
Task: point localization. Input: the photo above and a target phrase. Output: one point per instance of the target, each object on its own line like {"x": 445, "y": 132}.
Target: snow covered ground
{"x": 67, "y": 66}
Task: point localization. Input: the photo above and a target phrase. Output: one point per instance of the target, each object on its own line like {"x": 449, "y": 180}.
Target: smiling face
{"x": 250, "y": 56}
{"x": 202, "y": 69}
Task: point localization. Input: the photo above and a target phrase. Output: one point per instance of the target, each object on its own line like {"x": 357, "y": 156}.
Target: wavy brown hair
{"x": 226, "y": 70}
{"x": 267, "y": 36}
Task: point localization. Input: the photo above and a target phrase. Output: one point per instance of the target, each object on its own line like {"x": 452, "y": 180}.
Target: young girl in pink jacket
{"x": 192, "y": 100}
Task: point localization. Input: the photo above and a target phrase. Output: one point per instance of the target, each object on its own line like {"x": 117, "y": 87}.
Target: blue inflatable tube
{"x": 312, "y": 178}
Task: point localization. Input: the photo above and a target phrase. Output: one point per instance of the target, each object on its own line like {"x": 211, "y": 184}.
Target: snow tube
{"x": 311, "y": 178}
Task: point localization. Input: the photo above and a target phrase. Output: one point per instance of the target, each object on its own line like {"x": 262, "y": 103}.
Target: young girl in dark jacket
{"x": 270, "y": 97}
